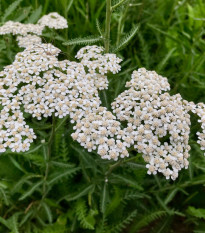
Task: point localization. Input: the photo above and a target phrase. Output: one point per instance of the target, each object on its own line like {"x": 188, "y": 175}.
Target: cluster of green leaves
{"x": 76, "y": 191}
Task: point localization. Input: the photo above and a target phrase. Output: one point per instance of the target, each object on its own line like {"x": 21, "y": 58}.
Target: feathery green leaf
{"x": 126, "y": 39}
{"x": 84, "y": 41}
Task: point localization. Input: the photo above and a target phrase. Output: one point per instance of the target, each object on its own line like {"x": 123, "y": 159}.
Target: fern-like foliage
{"x": 87, "y": 220}
{"x": 102, "y": 226}
{"x": 66, "y": 191}
{"x": 11, "y": 223}
{"x": 59, "y": 175}
{"x": 148, "y": 218}
{"x": 84, "y": 41}
{"x": 63, "y": 149}
{"x": 123, "y": 223}
{"x": 54, "y": 228}
{"x": 4, "y": 196}
{"x": 196, "y": 212}
{"x": 98, "y": 26}
{"x": 126, "y": 39}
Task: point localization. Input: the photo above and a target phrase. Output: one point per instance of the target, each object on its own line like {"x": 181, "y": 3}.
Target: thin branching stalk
{"x": 107, "y": 25}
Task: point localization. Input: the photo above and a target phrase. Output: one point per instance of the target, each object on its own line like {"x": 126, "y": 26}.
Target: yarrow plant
{"x": 28, "y": 34}
{"x": 145, "y": 117}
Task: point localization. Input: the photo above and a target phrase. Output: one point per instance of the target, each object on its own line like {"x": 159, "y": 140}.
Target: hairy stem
{"x": 107, "y": 25}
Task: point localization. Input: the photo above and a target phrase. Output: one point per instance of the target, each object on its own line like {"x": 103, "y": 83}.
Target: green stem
{"x": 107, "y": 25}
{"x": 46, "y": 158}
{"x": 105, "y": 99}
{"x": 47, "y": 155}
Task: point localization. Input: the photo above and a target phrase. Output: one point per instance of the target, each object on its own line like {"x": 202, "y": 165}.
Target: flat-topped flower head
{"x": 28, "y": 40}
{"x": 15, "y": 134}
{"x": 43, "y": 49}
{"x": 200, "y": 111}
{"x": 148, "y": 81}
{"x": 98, "y": 62}
{"x": 45, "y": 85}
{"x": 28, "y": 66}
{"x": 53, "y": 20}
{"x": 16, "y": 28}
{"x": 100, "y": 81}
{"x": 158, "y": 123}
{"x": 99, "y": 131}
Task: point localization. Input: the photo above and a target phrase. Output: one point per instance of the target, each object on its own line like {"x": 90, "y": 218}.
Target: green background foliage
{"x": 80, "y": 192}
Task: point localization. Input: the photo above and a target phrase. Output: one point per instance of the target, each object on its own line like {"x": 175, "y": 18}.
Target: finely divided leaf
{"x": 99, "y": 27}
{"x": 31, "y": 190}
{"x": 196, "y": 212}
{"x": 61, "y": 174}
{"x": 77, "y": 195}
{"x": 84, "y": 41}
{"x": 126, "y": 39}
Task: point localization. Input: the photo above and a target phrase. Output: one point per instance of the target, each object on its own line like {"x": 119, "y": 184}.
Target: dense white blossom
{"x": 16, "y": 28}
{"x": 28, "y": 40}
{"x": 53, "y": 20}
{"x": 99, "y": 131}
{"x": 43, "y": 86}
{"x": 157, "y": 122}
{"x": 14, "y": 132}
{"x": 199, "y": 109}
{"x": 47, "y": 86}
{"x": 98, "y": 62}
{"x": 145, "y": 116}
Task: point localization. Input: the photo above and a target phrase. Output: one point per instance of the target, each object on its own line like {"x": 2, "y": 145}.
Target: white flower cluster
{"x": 53, "y": 20}
{"x": 44, "y": 86}
{"x": 99, "y": 64}
{"x": 16, "y": 28}
{"x": 146, "y": 117}
{"x": 96, "y": 62}
{"x": 15, "y": 133}
{"x": 200, "y": 111}
{"x": 28, "y": 40}
{"x": 100, "y": 131}
{"x": 158, "y": 124}
{"x": 47, "y": 86}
